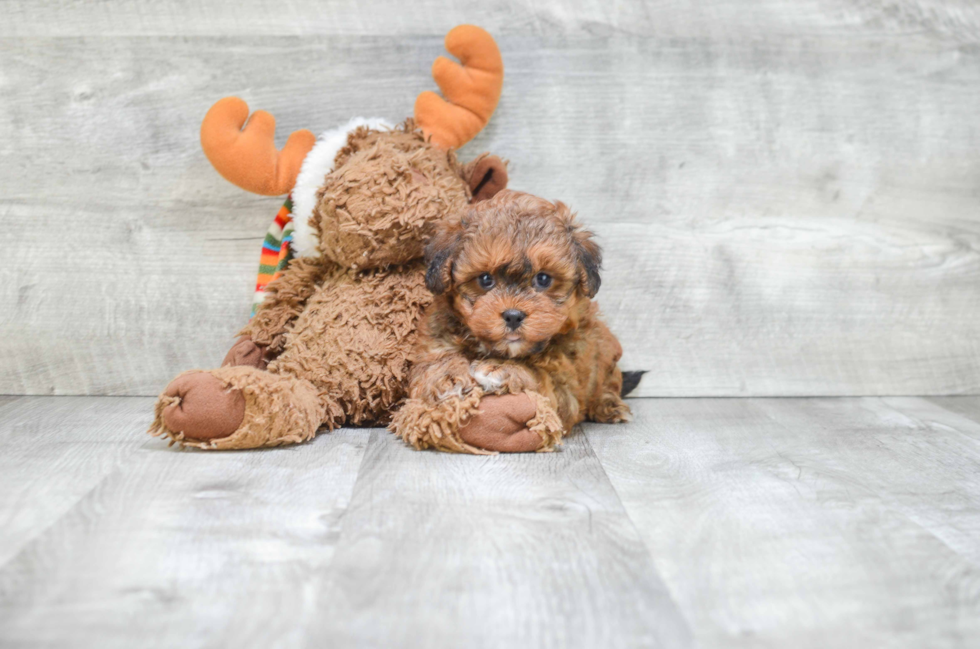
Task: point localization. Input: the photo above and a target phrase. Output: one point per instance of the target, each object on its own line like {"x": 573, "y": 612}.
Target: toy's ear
{"x": 440, "y": 253}
{"x": 486, "y": 176}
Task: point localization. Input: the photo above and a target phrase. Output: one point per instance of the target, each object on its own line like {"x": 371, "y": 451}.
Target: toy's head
{"x": 386, "y": 190}
{"x": 368, "y": 194}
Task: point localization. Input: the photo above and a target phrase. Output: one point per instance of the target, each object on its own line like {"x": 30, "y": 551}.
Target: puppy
{"x": 511, "y": 352}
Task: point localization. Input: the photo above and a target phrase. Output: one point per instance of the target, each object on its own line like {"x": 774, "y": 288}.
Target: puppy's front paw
{"x": 488, "y": 377}
{"x": 501, "y": 378}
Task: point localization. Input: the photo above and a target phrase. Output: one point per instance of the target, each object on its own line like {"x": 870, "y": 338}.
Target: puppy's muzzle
{"x": 513, "y": 318}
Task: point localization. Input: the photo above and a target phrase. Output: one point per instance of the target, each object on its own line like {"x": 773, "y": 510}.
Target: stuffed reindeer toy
{"x": 331, "y": 340}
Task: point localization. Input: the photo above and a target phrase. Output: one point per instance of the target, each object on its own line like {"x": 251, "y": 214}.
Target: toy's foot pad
{"x": 501, "y": 424}
{"x": 202, "y": 407}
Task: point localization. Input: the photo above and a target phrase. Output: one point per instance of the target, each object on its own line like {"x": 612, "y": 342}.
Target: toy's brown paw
{"x": 246, "y": 352}
{"x": 205, "y": 408}
{"x": 501, "y": 425}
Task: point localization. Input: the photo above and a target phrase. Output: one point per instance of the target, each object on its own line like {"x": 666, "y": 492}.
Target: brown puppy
{"x": 513, "y": 315}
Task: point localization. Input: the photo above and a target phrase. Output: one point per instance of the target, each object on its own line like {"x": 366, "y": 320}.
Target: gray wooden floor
{"x": 712, "y": 522}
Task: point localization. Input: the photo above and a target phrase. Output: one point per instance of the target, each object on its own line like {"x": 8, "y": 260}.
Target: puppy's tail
{"x": 630, "y": 381}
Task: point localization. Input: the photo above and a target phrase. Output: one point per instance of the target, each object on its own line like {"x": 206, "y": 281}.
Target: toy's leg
{"x": 238, "y": 407}
{"x": 513, "y": 423}
{"x": 425, "y": 424}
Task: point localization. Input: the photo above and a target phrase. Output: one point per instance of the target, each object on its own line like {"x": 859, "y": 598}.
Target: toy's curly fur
{"x": 353, "y": 340}
{"x": 388, "y": 189}
{"x": 560, "y": 352}
{"x": 339, "y": 327}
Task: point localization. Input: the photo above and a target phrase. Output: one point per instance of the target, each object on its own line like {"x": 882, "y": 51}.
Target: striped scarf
{"x": 276, "y": 251}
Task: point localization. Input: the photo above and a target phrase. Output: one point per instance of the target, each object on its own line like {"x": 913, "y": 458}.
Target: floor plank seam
{"x": 636, "y": 530}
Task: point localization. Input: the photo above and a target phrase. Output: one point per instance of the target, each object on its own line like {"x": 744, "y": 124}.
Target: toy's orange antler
{"x": 248, "y": 158}
{"x": 472, "y": 89}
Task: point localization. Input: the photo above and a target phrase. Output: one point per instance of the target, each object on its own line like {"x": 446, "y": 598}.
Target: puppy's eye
{"x": 486, "y": 281}
{"x": 542, "y": 281}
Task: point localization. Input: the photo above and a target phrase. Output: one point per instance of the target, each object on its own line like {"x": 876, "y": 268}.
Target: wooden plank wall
{"x": 787, "y": 191}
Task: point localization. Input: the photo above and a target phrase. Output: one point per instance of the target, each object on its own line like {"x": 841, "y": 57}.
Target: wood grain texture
{"x": 532, "y": 550}
{"x": 706, "y": 522}
{"x": 811, "y": 523}
{"x": 6, "y": 400}
{"x": 786, "y": 192}
{"x": 54, "y": 452}
{"x": 711, "y": 19}
{"x": 282, "y": 548}
{"x": 175, "y": 548}
{"x": 967, "y": 407}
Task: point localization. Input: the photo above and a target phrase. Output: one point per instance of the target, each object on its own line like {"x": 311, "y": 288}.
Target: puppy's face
{"x": 516, "y": 270}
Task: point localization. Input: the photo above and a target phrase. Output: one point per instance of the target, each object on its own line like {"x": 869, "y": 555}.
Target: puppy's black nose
{"x": 513, "y": 318}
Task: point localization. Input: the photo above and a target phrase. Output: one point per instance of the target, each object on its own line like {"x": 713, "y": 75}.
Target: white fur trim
{"x": 317, "y": 164}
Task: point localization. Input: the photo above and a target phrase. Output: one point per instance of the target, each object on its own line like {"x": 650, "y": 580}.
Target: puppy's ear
{"x": 439, "y": 255}
{"x": 588, "y": 254}
{"x": 486, "y": 176}
{"x": 589, "y": 262}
